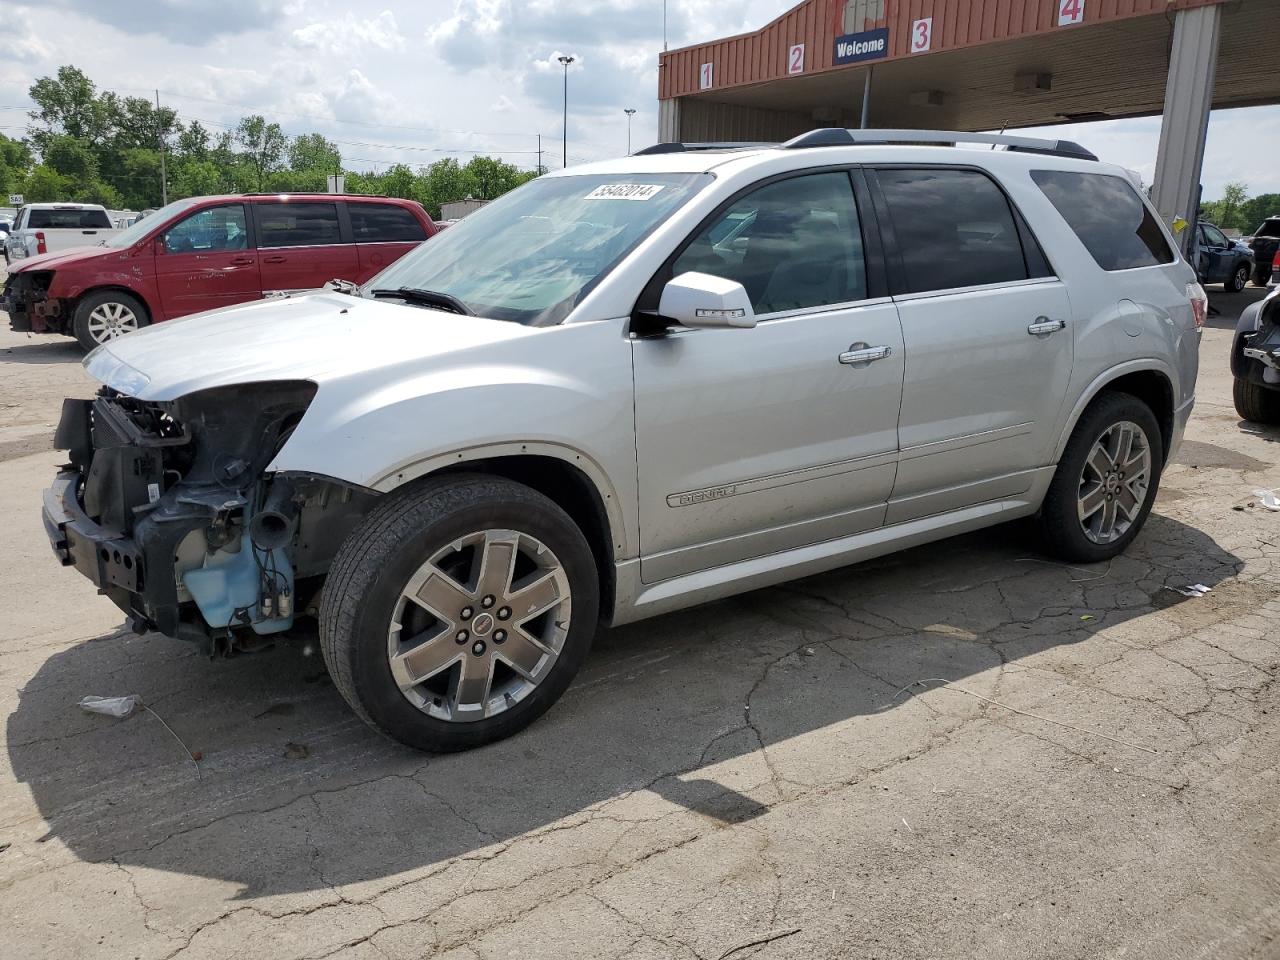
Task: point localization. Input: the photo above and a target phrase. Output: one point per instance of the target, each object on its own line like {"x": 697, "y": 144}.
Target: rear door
{"x": 302, "y": 244}
{"x": 988, "y": 335}
{"x": 206, "y": 260}
{"x": 383, "y": 233}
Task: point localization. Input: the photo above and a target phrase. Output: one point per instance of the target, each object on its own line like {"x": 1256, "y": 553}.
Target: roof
{"x": 64, "y": 206}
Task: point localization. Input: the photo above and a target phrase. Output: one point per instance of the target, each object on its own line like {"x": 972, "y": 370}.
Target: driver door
{"x": 756, "y": 441}
{"x": 206, "y": 261}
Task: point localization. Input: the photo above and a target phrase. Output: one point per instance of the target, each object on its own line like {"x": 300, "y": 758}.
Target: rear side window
{"x": 1108, "y": 216}
{"x": 954, "y": 229}
{"x": 297, "y": 224}
{"x": 68, "y": 220}
{"x": 384, "y": 223}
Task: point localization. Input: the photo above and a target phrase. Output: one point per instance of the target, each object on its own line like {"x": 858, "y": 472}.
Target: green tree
{"x": 193, "y": 141}
{"x": 43, "y": 185}
{"x": 72, "y": 157}
{"x": 15, "y": 161}
{"x": 1259, "y": 209}
{"x": 264, "y": 145}
{"x": 69, "y": 104}
{"x": 198, "y": 178}
{"x": 312, "y": 151}
{"x": 1230, "y": 207}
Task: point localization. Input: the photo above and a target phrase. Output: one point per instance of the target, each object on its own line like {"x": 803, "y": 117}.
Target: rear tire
{"x": 106, "y": 315}
{"x": 425, "y": 645}
{"x": 1239, "y": 279}
{"x": 1109, "y": 470}
{"x": 1255, "y": 402}
{"x": 1261, "y": 277}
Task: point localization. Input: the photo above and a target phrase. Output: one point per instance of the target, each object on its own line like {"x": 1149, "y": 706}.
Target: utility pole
{"x": 664, "y": 26}
{"x": 539, "y": 154}
{"x": 630, "y": 112}
{"x": 564, "y": 130}
{"x": 164, "y": 179}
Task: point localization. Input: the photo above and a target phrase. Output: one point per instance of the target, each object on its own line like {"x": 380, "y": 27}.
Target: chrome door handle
{"x": 859, "y": 353}
{"x": 1044, "y": 325}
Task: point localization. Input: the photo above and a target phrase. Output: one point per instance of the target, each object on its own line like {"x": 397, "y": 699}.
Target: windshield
{"x": 131, "y": 235}
{"x": 532, "y": 255}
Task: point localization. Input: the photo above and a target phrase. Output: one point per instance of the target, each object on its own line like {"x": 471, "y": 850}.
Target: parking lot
{"x": 776, "y": 775}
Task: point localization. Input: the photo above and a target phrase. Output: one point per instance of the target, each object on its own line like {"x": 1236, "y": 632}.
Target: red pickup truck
{"x": 208, "y": 252}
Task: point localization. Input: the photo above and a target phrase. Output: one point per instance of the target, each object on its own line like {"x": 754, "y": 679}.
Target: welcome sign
{"x": 868, "y": 45}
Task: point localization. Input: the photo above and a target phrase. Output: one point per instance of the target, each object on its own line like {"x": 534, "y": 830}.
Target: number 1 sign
{"x": 1070, "y": 12}
{"x": 705, "y": 77}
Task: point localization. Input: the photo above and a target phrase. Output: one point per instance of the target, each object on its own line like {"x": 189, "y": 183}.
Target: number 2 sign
{"x": 922, "y": 35}
{"x": 705, "y": 77}
{"x": 1070, "y": 12}
{"x": 795, "y": 59}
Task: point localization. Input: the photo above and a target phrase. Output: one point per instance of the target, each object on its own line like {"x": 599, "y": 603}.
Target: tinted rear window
{"x": 297, "y": 224}
{"x": 1108, "y": 216}
{"x": 1269, "y": 229}
{"x": 69, "y": 219}
{"x": 383, "y": 223}
{"x": 954, "y": 229}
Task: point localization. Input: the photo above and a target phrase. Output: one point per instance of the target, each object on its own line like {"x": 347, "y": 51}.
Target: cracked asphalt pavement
{"x": 780, "y": 775}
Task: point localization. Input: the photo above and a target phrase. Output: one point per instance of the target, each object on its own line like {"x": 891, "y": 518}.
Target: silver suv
{"x": 630, "y": 387}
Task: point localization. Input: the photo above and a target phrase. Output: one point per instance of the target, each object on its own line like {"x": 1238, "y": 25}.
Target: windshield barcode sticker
{"x": 624, "y": 191}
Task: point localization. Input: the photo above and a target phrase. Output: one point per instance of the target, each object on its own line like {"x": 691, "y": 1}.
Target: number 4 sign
{"x": 1070, "y": 12}
{"x": 922, "y": 35}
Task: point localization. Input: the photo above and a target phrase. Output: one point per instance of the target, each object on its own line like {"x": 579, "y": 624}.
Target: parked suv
{"x": 208, "y": 252}
{"x": 630, "y": 387}
{"x": 1265, "y": 243}
{"x": 1221, "y": 259}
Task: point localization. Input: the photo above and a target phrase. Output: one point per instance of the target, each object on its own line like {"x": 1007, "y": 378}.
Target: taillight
{"x": 1199, "y": 303}
{"x": 41, "y": 246}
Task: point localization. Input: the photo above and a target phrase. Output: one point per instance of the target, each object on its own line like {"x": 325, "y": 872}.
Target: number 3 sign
{"x": 921, "y": 35}
{"x": 1070, "y": 12}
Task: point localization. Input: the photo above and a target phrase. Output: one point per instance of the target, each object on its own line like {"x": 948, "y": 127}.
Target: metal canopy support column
{"x": 1193, "y": 61}
{"x": 669, "y": 121}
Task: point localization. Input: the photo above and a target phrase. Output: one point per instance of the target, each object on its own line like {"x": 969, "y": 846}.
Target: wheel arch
{"x": 1148, "y": 380}
{"x": 570, "y": 479}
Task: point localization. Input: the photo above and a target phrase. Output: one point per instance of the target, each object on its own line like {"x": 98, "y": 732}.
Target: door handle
{"x": 242, "y": 261}
{"x": 276, "y": 259}
{"x": 1044, "y": 325}
{"x": 860, "y": 353}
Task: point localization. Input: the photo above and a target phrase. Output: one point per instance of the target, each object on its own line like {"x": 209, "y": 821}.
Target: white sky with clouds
{"x": 393, "y": 80}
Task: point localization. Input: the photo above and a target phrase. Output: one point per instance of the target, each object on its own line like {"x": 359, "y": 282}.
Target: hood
{"x": 61, "y": 258}
{"x": 319, "y": 337}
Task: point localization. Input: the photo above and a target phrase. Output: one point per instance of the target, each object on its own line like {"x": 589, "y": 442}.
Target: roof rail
{"x": 688, "y": 147}
{"x": 837, "y": 136}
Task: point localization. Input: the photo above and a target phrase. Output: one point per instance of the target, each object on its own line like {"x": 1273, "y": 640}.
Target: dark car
{"x": 1255, "y": 362}
{"x": 208, "y": 252}
{"x": 1219, "y": 259}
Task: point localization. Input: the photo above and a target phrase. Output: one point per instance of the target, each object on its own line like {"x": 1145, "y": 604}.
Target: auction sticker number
{"x": 795, "y": 59}
{"x": 1070, "y": 12}
{"x": 922, "y": 35}
{"x": 624, "y": 191}
{"x": 705, "y": 77}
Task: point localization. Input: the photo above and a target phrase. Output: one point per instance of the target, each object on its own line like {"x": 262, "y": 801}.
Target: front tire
{"x": 1239, "y": 279}
{"x": 106, "y": 315}
{"x": 1255, "y": 402}
{"x": 1106, "y": 481}
{"x": 459, "y": 611}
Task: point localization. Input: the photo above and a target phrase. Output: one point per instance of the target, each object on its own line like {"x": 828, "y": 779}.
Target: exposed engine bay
{"x": 166, "y": 507}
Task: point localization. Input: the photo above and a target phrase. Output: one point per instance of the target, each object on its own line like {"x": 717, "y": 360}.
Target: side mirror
{"x": 701, "y": 300}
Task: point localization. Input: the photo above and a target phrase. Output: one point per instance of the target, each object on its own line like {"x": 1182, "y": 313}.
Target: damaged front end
{"x": 26, "y": 300}
{"x": 167, "y": 508}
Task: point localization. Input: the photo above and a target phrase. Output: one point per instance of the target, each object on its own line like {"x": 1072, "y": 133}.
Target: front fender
{"x": 567, "y": 397}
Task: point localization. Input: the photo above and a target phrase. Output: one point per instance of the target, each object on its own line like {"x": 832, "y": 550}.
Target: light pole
{"x": 630, "y": 112}
{"x": 564, "y": 130}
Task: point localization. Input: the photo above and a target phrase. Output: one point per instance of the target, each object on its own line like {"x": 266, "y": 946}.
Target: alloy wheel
{"x": 479, "y": 625}
{"x": 1114, "y": 482}
{"x": 110, "y": 320}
